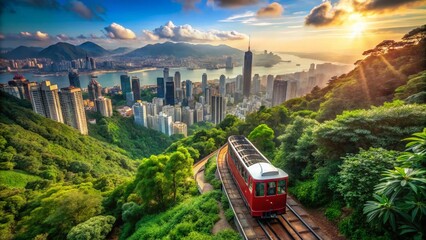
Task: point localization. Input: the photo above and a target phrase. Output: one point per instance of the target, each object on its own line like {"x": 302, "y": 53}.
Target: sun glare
{"x": 357, "y": 29}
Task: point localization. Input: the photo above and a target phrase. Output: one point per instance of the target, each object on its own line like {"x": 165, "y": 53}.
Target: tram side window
{"x": 271, "y": 188}
{"x": 250, "y": 184}
{"x": 281, "y": 186}
{"x": 260, "y": 189}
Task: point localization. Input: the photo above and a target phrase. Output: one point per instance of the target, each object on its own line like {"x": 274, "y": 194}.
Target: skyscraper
{"x": 125, "y": 84}
{"x": 222, "y": 82}
{"x": 204, "y": 82}
{"x": 45, "y": 101}
{"x": 165, "y": 78}
{"x": 256, "y": 84}
{"x": 279, "y": 93}
{"x": 104, "y": 106}
{"x": 94, "y": 88}
{"x": 160, "y": 87}
{"x": 140, "y": 113}
{"x": 248, "y": 59}
{"x": 92, "y": 63}
{"x": 71, "y": 101}
{"x": 269, "y": 86}
{"x": 74, "y": 79}
{"x": 177, "y": 80}
{"x": 188, "y": 84}
{"x": 229, "y": 64}
{"x": 136, "y": 88}
{"x": 170, "y": 93}
{"x": 218, "y": 107}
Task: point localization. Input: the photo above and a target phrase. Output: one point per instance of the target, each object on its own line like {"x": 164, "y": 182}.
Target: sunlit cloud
{"x": 343, "y": 12}
{"x": 186, "y": 33}
{"x": 116, "y": 31}
{"x": 239, "y": 17}
{"x": 272, "y": 10}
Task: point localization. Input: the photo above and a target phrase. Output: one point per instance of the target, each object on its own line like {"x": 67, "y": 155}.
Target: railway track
{"x": 290, "y": 225}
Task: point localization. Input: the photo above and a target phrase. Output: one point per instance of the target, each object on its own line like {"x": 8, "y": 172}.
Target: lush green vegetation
{"x": 192, "y": 219}
{"x": 138, "y": 141}
{"x": 54, "y": 151}
{"x": 16, "y": 179}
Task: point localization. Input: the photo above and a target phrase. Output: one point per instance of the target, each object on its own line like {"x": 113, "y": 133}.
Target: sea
{"x": 289, "y": 64}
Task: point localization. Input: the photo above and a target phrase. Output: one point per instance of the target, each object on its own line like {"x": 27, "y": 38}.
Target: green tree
{"x": 288, "y": 157}
{"x": 360, "y": 173}
{"x": 59, "y": 209}
{"x": 151, "y": 182}
{"x": 400, "y": 196}
{"x": 262, "y": 137}
{"x": 96, "y": 228}
{"x": 178, "y": 169}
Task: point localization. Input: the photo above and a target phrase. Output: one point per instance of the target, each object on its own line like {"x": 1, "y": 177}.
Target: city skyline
{"x": 306, "y": 26}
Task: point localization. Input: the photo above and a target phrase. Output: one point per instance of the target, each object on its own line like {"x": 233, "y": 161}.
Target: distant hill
{"x": 62, "y": 51}
{"x": 22, "y": 52}
{"x": 181, "y": 50}
{"x": 121, "y": 50}
{"x": 93, "y": 49}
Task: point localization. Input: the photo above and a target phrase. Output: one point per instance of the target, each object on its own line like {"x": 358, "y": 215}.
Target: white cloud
{"x": 186, "y": 33}
{"x": 116, "y": 31}
{"x": 237, "y": 17}
{"x": 37, "y": 36}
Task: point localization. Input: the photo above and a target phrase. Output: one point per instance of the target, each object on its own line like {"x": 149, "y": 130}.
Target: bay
{"x": 149, "y": 76}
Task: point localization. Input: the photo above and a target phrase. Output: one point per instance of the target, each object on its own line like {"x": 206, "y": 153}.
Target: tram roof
{"x": 257, "y": 164}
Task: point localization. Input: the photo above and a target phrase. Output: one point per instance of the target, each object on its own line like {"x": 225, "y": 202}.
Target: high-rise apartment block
{"x": 126, "y": 85}
{"x": 45, "y": 101}
{"x": 180, "y": 128}
{"x": 279, "y": 93}
{"x": 71, "y": 101}
{"x": 218, "y": 108}
{"x": 74, "y": 79}
{"x": 104, "y": 106}
{"x": 136, "y": 88}
{"x": 140, "y": 113}
{"x": 94, "y": 88}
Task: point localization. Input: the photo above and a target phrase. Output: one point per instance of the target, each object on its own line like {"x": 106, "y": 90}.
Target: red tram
{"x": 263, "y": 186}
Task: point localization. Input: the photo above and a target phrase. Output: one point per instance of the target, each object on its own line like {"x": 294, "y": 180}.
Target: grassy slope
{"x": 193, "y": 219}
{"x": 16, "y": 179}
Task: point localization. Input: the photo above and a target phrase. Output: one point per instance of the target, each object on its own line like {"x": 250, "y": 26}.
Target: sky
{"x": 338, "y": 26}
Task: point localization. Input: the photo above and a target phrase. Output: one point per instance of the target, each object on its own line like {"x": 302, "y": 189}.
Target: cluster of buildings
{"x": 65, "y": 105}
{"x": 47, "y": 65}
{"x": 179, "y": 103}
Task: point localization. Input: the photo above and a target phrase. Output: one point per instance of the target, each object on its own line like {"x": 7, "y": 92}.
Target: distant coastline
{"x": 330, "y": 57}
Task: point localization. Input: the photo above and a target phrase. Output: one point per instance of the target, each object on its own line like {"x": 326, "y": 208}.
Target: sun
{"x": 358, "y": 28}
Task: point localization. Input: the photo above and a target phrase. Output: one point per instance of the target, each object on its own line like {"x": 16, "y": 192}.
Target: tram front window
{"x": 281, "y": 186}
{"x": 272, "y": 188}
{"x": 260, "y": 189}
